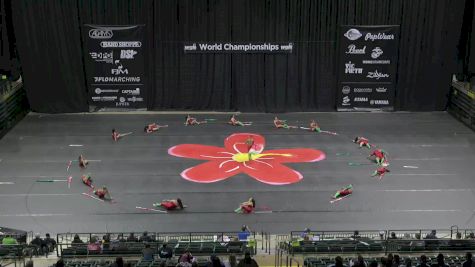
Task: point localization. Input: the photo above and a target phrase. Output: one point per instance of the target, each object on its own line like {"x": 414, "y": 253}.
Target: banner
{"x": 115, "y": 66}
{"x": 223, "y": 47}
{"x": 367, "y": 67}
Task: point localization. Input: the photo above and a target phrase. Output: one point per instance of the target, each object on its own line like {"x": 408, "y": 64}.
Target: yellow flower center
{"x": 243, "y": 157}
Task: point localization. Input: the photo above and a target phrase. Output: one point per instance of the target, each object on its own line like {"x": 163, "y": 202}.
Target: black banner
{"x": 223, "y": 47}
{"x": 115, "y": 66}
{"x": 367, "y": 67}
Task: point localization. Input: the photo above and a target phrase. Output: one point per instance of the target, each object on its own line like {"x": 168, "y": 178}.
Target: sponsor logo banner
{"x": 367, "y": 67}
{"x": 223, "y": 47}
{"x": 115, "y": 64}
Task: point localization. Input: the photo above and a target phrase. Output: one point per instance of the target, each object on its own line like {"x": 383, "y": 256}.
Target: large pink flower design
{"x": 264, "y": 166}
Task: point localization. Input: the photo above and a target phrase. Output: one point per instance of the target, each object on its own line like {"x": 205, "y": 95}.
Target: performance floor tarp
{"x": 431, "y": 184}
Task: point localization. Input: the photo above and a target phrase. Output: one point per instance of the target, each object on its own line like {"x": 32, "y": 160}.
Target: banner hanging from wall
{"x": 115, "y": 65}
{"x": 224, "y": 47}
{"x": 367, "y": 67}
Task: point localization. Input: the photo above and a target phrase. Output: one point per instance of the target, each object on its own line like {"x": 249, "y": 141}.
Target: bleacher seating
{"x": 452, "y": 261}
{"x": 196, "y": 243}
{"x": 375, "y": 241}
{"x": 201, "y": 262}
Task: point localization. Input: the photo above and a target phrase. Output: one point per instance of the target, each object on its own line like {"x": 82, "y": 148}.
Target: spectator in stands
{"x": 440, "y": 261}
{"x": 244, "y": 234}
{"x": 132, "y": 238}
{"x": 381, "y": 235}
{"x": 39, "y": 244}
{"x": 431, "y": 235}
{"x": 356, "y": 235}
{"x": 29, "y": 264}
{"x": 147, "y": 253}
{"x": 214, "y": 261}
{"x": 247, "y": 261}
{"x": 471, "y": 236}
{"x": 9, "y": 240}
{"x": 121, "y": 238}
{"x": 305, "y": 234}
{"x": 383, "y": 262}
{"x": 76, "y": 240}
{"x": 338, "y": 262}
{"x": 458, "y": 235}
{"x": 165, "y": 252}
{"x": 50, "y": 243}
{"x": 60, "y": 263}
{"x": 106, "y": 241}
{"x": 358, "y": 262}
{"x": 373, "y": 264}
{"x": 231, "y": 262}
{"x": 423, "y": 261}
{"x": 468, "y": 260}
{"x": 389, "y": 260}
{"x": 119, "y": 262}
{"x": 393, "y": 236}
{"x": 396, "y": 261}
{"x": 186, "y": 259}
{"x": 118, "y": 243}
{"x": 145, "y": 237}
{"x": 407, "y": 262}
{"x": 94, "y": 246}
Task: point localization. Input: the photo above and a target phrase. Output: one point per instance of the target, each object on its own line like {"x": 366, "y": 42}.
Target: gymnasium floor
{"x": 435, "y": 189}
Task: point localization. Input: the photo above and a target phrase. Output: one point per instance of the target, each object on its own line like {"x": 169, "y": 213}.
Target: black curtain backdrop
{"x": 8, "y": 58}
{"x": 50, "y": 46}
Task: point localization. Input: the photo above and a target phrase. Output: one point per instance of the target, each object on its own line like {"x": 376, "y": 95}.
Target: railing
{"x": 199, "y": 242}
{"x": 7, "y": 87}
{"x": 11, "y": 254}
{"x": 402, "y": 241}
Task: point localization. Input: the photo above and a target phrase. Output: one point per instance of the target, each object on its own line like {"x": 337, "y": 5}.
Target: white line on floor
{"x": 7, "y": 183}
{"x": 425, "y": 210}
{"x": 424, "y": 174}
{"x": 36, "y": 215}
{"x": 74, "y": 145}
{"x": 425, "y": 190}
{"x": 415, "y": 158}
{"x": 411, "y": 167}
{"x": 30, "y": 195}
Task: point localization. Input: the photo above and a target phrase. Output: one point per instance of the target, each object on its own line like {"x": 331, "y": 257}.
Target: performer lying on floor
{"x": 344, "y": 192}
{"x": 314, "y": 127}
{"x": 362, "y": 142}
{"x": 87, "y": 180}
{"x": 102, "y": 193}
{"x": 82, "y": 162}
{"x": 192, "y": 121}
{"x": 282, "y": 124}
{"x": 380, "y": 172}
{"x": 170, "y": 204}
{"x": 235, "y": 122}
{"x": 153, "y": 127}
{"x": 116, "y": 136}
{"x": 246, "y": 207}
{"x": 380, "y": 156}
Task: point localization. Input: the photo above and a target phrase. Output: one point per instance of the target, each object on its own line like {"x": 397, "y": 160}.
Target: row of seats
{"x": 452, "y": 261}
{"x": 201, "y": 262}
{"x": 334, "y": 246}
{"x": 375, "y": 246}
{"x": 178, "y": 248}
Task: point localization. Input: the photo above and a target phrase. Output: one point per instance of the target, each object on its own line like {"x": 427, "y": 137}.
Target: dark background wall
{"x": 48, "y": 35}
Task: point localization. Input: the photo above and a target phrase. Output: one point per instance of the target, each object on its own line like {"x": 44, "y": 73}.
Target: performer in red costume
{"x": 153, "y": 127}
{"x": 362, "y": 142}
{"x": 380, "y": 172}
{"x": 170, "y": 204}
